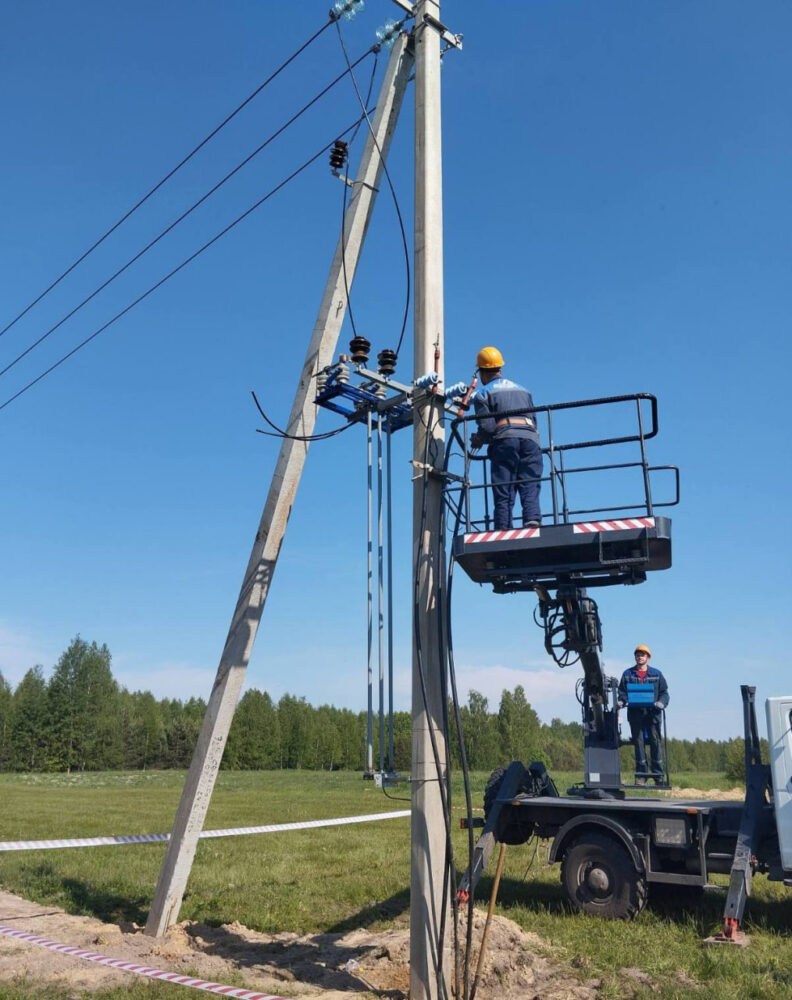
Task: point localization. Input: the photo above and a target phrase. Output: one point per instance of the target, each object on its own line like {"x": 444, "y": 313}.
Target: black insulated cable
{"x": 182, "y": 217}
{"x": 344, "y": 208}
{"x": 390, "y": 186}
{"x": 281, "y": 433}
{"x": 168, "y": 176}
{"x": 170, "y": 274}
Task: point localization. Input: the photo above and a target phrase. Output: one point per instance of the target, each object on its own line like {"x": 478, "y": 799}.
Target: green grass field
{"x": 337, "y": 879}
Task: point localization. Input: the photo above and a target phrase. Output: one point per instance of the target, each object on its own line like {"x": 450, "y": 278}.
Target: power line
{"x": 183, "y": 216}
{"x": 175, "y": 270}
{"x": 170, "y": 174}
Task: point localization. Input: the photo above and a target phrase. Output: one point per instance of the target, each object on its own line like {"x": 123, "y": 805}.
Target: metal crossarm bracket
{"x": 455, "y": 41}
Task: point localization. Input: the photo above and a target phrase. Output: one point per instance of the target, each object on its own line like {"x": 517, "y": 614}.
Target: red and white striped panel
{"x": 502, "y": 536}
{"x": 623, "y": 525}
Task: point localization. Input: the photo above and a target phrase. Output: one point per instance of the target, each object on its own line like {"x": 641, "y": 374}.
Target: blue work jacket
{"x": 500, "y": 396}
{"x": 653, "y": 677}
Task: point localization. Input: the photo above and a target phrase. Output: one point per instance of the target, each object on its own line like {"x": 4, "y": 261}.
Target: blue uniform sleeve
{"x": 622, "y": 692}
{"x": 484, "y": 417}
{"x": 662, "y": 690}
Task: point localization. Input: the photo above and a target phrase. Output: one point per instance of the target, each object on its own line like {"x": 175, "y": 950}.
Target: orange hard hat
{"x": 643, "y": 649}
{"x": 489, "y": 357}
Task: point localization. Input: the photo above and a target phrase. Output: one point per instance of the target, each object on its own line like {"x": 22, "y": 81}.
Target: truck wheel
{"x": 510, "y": 830}
{"x": 599, "y": 878}
{"x": 492, "y": 788}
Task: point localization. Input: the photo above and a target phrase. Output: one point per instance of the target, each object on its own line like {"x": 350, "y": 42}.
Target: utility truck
{"x": 613, "y": 851}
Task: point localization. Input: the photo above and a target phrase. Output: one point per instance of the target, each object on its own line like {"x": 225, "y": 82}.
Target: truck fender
{"x": 566, "y": 834}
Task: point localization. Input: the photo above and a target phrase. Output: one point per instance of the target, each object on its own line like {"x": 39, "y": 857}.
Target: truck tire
{"x": 492, "y": 788}
{"x": 599, "y": 878}
{"x": 510, "y": 830}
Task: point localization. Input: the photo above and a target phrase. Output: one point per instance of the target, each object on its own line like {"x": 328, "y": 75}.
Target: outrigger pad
{"x": 599, "y": 552}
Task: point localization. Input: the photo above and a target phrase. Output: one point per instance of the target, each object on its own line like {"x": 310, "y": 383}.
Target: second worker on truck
{"x": 644, "y": 692}
{"x": 512, "y": 441}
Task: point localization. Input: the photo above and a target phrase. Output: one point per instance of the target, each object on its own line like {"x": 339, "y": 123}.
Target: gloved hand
{"x": 659, "y": 704}
{"x": 476, "y": 440}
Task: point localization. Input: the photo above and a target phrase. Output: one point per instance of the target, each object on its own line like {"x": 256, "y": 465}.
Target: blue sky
{"x": 618, "y": 180}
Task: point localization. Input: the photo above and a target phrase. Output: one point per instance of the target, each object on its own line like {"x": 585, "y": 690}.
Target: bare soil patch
{"x": 330, "y": 966}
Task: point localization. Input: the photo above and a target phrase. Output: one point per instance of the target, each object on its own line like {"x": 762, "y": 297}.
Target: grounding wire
{"x": 182, "y": 217}
{"x": 175, "y": 270}
{"x": 344, "y": 207}
{"x": 390, "y": 186}
{"x": 170, "y": 174}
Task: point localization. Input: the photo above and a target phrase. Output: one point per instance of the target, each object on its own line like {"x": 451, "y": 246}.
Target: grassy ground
{"x": 340, "y": 878}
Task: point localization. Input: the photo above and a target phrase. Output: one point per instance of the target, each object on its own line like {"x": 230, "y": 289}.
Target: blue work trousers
{"x": 515, "y": 467}
{"x": 645, "y": 727}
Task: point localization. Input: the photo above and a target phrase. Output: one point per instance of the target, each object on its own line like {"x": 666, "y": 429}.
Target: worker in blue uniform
{"x": 512, "y": 442}
{"x": 644, "y": 692}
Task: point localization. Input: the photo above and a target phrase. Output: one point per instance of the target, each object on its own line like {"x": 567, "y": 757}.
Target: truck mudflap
{"x": 566, "y": 835}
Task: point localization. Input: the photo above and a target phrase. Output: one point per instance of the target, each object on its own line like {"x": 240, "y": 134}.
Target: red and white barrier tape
{"x": 155, "y": 838}
{"x": 137, "y": 968}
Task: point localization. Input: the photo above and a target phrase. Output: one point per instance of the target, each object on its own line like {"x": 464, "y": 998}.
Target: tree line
{"x": 80, "y": 719}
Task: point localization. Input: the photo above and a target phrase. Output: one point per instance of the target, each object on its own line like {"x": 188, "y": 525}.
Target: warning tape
{"x": 157, "y": 838}
{"x": 136, "y": 967}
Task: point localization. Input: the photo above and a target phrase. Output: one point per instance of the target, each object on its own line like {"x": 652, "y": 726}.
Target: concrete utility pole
{"x": 272, "y": 527}
{"x": 428, "y": 825}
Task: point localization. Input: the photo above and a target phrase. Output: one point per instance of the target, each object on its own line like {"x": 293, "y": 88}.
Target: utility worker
{"x": 643, "y": 690}
{"x": 512, "y": 442}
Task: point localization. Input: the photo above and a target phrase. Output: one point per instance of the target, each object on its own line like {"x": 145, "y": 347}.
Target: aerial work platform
{"x": 625, "y": 542}
{"x": 619, "y": 550}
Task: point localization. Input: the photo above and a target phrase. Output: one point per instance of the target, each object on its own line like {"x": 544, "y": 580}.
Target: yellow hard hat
{"x": 489, "y": 357}
{"x": 643, "y": 649}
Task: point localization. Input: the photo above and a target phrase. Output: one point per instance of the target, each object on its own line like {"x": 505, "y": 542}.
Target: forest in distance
{"x": 80, "y": 719}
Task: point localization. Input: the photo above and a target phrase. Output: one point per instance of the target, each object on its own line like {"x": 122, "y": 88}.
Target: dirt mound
{"x": 332, "y": 966}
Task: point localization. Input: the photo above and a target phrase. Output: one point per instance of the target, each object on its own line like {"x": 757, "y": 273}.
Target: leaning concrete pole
{"x": 428, "y": 830}
{"x": 272, "y": 527}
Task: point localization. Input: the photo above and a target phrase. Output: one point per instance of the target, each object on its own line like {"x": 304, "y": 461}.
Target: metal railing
{"x": 468, "y": 492}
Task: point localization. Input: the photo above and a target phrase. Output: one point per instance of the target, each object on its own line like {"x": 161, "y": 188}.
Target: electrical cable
{"x": 449, "y": 861}
{"x": 175, "y": 270}
{"x": 464, "y": 766}
{"x": 170, "y": 174}
{"x": 391, "y": 187}
{"x": 295, "y": 437}
{"x": 183, "y": 216}
{"x": 344, "y": 209}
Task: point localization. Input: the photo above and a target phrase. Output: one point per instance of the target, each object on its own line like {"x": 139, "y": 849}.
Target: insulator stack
{"x": 457, "y": 390}
{"x": 338, "y": 154}
{"x": 359, "y": 349}
{"x": 427, "y": 381}
{"x": 386, "y": 35}
{"x": 346, "y": 8}
{"x": 387, "y": 362}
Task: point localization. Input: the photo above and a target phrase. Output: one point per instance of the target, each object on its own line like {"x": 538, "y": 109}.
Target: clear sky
{"x": 618, "y": 181}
